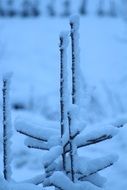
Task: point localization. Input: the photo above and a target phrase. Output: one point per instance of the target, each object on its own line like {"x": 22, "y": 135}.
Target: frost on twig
{"x": 74, "y": 23}
{"x": 72, "y": 150}
{"x": 7, "y": 127}
{"x": 63, "y": 88}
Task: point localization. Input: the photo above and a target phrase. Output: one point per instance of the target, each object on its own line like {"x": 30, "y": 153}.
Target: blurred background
{"x": 27, "y": 8}
{"x": 29, "y": 40}
{"x": 29, "y": 47}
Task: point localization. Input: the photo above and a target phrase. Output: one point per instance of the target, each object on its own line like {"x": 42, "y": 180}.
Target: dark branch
{"x": 95, "y": 141}
{"x": 31, "y": 135}
{"x": 73, "y": 137}
{"x": 100, "y": 169}
{"x": 36, "y": 147}
{"x": 91, "y": 142}
{"x": 87, "y": 143}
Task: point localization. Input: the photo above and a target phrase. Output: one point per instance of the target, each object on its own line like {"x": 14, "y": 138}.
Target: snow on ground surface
{"x": 29, "y": 48}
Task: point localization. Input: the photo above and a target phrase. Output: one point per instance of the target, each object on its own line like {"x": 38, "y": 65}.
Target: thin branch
{"x": 91, "y": 142}
{"x": 83, "y": 176}
{"x": 95, "y": 141}
{"x": 30, "y": 135}
{"x": 100, "y": 169}
{"x": 36, "y": 147}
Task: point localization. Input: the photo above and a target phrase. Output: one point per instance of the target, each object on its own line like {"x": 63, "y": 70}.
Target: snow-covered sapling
{"x": 5, "y": 180}
{"x": 10, "y": 11}
{"x": 83, "y": 7}
{"x": 35, "y": 8}
{"x": 100, "y": 8}
{"x": 62, "y": 160}
{"x": 124, "y": 10}
{"x": 2, "y": 12}
{"x": 7, "y": 127}
{"x": 112, "y": 11}
{"x": 51, "y": 8}
{"x": 26, "y": 7}
{"x": 66, "y": 6}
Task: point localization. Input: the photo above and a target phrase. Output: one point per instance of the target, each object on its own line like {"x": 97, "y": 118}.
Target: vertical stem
{"x": 73, "y": 65}
{"x": 61, "y": 86}
{"x": 71, "y": 149}
{"x": 74, "y": 24}
{"x": 63, "y": 90}
{"x": 6, "y": 130}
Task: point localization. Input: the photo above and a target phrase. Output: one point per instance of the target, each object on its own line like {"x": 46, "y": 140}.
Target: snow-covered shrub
{"x": 64, "y": 168}
{"x": 51, "y": 8}
{"x": 83, "y": 7}
{"x": 2, "y": 11}
{"x": 10, "y": 8}
{"x": 66, "y": 8}
{"x": 100, "y": 9}
{"x": 35, "y": 8}
{"x": 124, "y": 9}
{"x": 26, "y": 8}
{"x": 112, "y": 9}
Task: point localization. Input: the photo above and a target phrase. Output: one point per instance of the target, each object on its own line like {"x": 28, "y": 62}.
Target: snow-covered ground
{"x": 30, "y": 49}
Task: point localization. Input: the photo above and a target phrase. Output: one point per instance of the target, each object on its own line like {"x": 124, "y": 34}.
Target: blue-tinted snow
{"x": 30, "y": 50}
